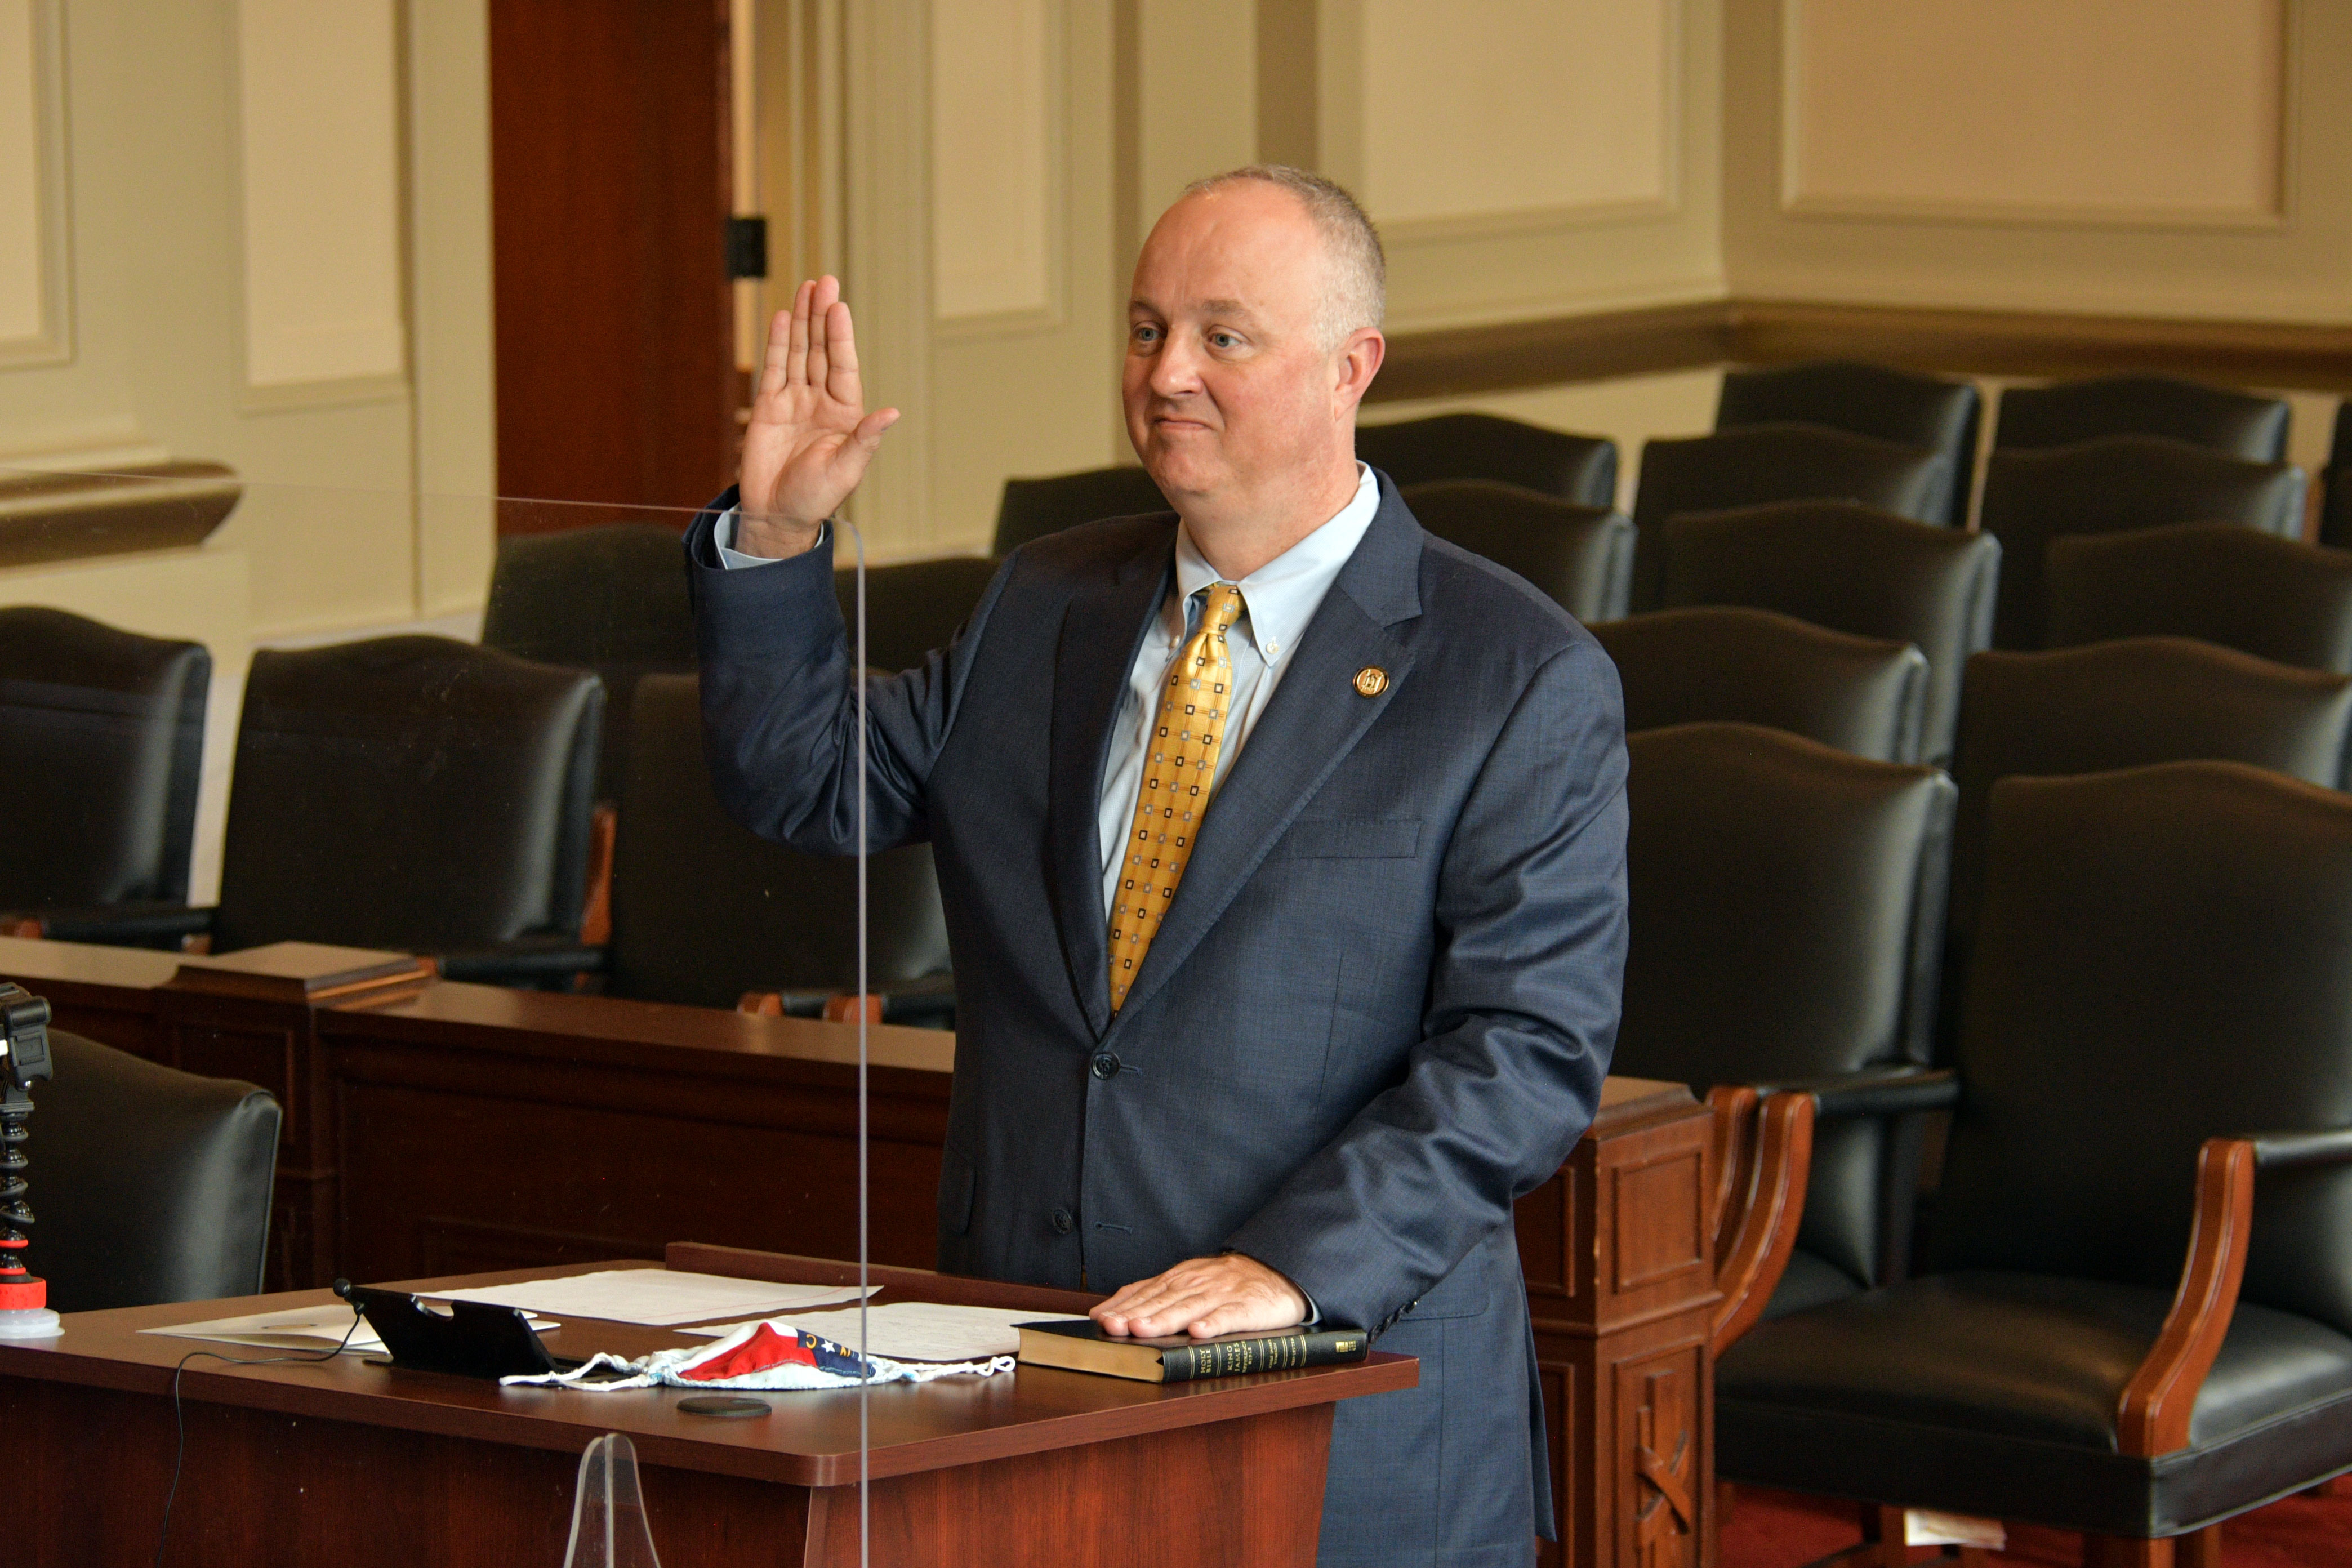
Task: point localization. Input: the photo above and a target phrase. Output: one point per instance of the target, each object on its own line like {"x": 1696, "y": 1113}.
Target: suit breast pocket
{"x": 1351, "y": 838}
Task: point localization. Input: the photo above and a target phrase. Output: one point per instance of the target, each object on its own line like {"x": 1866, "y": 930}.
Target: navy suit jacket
{"x": 1379, "y": 1009}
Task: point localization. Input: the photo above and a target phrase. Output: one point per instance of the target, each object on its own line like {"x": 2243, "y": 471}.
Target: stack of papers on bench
{"x": 659, "y": 1297}
{"x": 914, "y": 1330}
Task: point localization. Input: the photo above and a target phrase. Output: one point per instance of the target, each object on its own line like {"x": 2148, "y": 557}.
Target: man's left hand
{"x": 1205, "y": 1296}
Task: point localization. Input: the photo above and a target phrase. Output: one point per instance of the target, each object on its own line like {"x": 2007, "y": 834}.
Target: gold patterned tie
{"x": 1179, "y": 762}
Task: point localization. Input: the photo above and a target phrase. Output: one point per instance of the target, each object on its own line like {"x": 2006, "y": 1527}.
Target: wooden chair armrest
{"x": 2152, "y": 1417}
{"x": 596, "y": 909}
{"x": 1766, "y": 1232}
{"x": 1731, "y": 1146}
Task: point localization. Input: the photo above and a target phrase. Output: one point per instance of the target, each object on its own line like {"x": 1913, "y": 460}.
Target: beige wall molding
{"x": 999, "y": 168}
{"x": 319, "y": 191}
{"x": 2013, "y": 111}
{"x": 1505, "y": 117}
{"x": 35, "y": 273}
{"x": 886, "y": 256}
{"x": 1765, "y": 331}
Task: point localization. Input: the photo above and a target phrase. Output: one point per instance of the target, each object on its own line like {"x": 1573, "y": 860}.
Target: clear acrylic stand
{"x": 864, "y": 1012}
{"x": 608, "y": 1515}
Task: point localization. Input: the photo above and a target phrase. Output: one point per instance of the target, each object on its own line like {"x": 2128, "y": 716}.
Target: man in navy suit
{"x": 1296, "y": 1064}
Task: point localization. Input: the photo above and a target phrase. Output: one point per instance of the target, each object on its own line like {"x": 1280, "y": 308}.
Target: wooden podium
{"x": 363, "y": 1466}
{"x": 1632, "y": 1251}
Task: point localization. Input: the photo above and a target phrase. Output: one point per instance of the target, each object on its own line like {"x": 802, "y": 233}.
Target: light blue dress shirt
{"x": 1278, "y": 600}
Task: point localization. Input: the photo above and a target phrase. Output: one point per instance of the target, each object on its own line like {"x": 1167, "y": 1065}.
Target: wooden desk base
{"x": 259, "y": 1487}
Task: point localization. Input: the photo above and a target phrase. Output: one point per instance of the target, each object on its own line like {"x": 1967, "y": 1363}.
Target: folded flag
{"x": 769, "y": 1356}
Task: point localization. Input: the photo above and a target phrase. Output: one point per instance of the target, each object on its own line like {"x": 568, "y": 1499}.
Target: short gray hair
{"x": 1359, "y": 295}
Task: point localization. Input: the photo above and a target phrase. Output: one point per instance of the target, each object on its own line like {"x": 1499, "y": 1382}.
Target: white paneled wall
{"x": 1496, "y": 110}
{"x": 319, "y": 132}
{"x": 2088, "y": 110}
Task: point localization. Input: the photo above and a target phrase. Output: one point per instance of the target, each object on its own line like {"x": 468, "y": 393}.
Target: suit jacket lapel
{"x": 1100, "y": 632}
{"x": 1314, "y": 719}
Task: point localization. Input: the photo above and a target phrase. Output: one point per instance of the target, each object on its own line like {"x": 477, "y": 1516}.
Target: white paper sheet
{"x": 660, "y": 1297}
{"x": 914, "y": 1330}
{"x": 294, "y": 1329}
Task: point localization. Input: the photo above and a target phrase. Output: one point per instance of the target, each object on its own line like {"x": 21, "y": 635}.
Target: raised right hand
{"x": 810, "y": 437}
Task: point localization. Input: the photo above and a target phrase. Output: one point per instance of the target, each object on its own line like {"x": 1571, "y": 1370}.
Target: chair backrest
{"x": 1853, "y": 570}
{"x": 1758, "y": 463}
{"x": 704, "y": 909}
{"x": 101, "y": 746}
{"x": 1581, "y": 555}
{"x": 1578, "y": 469}
{"x": 1031, "y": 508}
{"x": 2280, "y": 598}
{"x": 2336, "y": 504}
{"x": 1787, "y": 906}
{"x": 1727, "y": 663}
{"x": 2126, "y": 704}
{"x": 2104, "y": 487}
{"x": 611, "y": 598}
{"x": 1869, "y": 400}
{"x": 2236, "y": 424}
{"x": 913, "y": 606}
{"x": 152, "y": 1185}
{"x": 410, "y": 792}
{"x": 2167, "y": 957}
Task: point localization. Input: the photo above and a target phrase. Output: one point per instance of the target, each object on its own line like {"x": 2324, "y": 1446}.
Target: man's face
{"x": 1227, "y": 388}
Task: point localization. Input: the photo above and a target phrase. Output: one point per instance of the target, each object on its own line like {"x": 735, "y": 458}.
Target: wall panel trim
{"x": 50, "y": 343}
{"x": 1766, "y": 332}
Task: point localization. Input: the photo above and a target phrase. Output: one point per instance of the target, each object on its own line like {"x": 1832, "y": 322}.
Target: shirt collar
{"x": 1281, "y": 597}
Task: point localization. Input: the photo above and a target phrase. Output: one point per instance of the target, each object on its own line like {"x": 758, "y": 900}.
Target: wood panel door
{"x": 610, "y": 180}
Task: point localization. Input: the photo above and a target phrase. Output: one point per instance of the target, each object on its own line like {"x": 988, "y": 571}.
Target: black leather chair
{"x": 2280, "y": 598}
{"x": 152, "y": 1185}
{"x": 1727, "y": 663}
{"x": 1583, "y": 556}
{"x": 2236, "y": 424}
{"x": 1853, "y": 570}
{"x": 2336, "y": 505}
{"x": 704, "y": 911}
{"x": 1788, "y": 905}
{"x": 101, "y": 747}
{"x": 913, "y": 606}
{"x": 611, "y": 598}
{"x": 410, "y": 792}
{"x": 1869, "y": 400}
{"x": 2126, "y": 704}
{"x": 2166, "y": 963}
{"x": 1578, "y": 468}
{"x": 1031, "y": 508}
{"x": 1758, "y": 463}
{"x": 2105, "y": 486}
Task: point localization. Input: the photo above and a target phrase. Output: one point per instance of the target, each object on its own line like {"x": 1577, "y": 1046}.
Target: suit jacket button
{"x": 1104, "y": 1065}
{"x": 1064, "y": 1221}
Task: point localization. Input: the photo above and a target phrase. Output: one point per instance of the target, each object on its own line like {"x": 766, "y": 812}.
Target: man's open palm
{"x": 810, "y": 436}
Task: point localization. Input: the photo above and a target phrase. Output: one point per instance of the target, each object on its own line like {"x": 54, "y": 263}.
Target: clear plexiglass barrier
{"x": 235, "y": 715}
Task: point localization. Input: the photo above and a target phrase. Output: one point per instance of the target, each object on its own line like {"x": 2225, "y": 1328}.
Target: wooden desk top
{"x": 30, "y": 961}
{"x": 565, "y": 1026}
{"x": 576, "y": 1028}
{"x": 811, "y": 1440}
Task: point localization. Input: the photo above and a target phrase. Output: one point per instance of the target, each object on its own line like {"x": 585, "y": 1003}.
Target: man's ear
{"x": 1358, "y": 362}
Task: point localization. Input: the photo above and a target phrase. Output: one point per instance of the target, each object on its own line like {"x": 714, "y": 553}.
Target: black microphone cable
{"x": 179, "y": 1420}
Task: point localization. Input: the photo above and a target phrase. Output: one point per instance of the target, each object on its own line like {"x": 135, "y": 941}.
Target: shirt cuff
{"x": 722, "y": 535}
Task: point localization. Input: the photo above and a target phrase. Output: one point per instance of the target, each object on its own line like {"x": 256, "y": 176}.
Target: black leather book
{"x": 1082, "y": 1346}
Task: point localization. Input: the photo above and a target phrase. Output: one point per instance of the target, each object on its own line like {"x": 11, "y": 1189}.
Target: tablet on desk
{"x": 472, "y": 1338}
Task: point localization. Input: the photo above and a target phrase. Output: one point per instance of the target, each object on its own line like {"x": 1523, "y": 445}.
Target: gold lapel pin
{"x": 1372, "y": 680}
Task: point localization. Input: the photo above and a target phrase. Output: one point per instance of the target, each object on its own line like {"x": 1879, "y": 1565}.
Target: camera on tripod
{"x": 23, "y": 1061}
